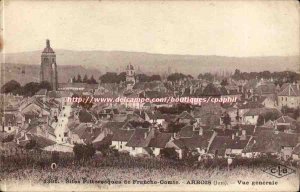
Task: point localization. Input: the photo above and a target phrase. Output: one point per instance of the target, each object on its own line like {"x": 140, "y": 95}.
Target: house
{"x": 121, "y": 137}
{"x": 286, "y": 124}
{"x": 159, "y": 141}
{"x": 191, "y": 138}
{"x": 289, "y": 96}
{"x": 251, "y": 116}
{"x": 10, "y": 149}
{"x": 186, "y": 118}
{"x": 12, "y": 122}
{"x": 41, "y": 142}
{"x": 139, "y": 141}
{"x": 274, "y": 142}
{"x": 265, "y": 89}
{"x": 219, "y": 146}
{"x": 267, "y": 101}
{"x": 154, "y": 117}
{"x": 296, "y": 152}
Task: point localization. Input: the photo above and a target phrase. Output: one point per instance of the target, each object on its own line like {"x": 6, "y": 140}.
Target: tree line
{"x": 27, "y": 90}
{"x": 85, "y": 79}
{"x": 280, "y": 77}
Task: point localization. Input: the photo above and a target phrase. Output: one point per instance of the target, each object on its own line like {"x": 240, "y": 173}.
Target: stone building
{"x": 48, "y": 66}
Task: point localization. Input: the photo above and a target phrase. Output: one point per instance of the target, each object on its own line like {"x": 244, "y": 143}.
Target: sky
{"x": 224, "y": 28}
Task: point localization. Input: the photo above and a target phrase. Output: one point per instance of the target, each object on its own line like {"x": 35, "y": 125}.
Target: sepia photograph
{"x": 141, "y": 95}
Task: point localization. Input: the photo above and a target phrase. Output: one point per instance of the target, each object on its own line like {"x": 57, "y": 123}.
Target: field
{"x": 112, "y": 173}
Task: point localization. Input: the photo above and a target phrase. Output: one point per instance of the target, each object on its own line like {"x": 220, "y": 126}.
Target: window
{"x": 133, "y": 148}
{"x": 120, "y": 146}
{"x": 9, "y": 128}
{"x": 285, "y": 98}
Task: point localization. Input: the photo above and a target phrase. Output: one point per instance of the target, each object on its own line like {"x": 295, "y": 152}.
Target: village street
{"x": 61, "y": 130}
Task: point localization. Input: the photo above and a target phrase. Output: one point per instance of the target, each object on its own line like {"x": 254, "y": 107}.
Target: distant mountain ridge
{"x": 105, "y": 61}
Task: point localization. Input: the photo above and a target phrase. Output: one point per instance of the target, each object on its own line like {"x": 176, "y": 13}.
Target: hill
{"x": 24, "y": 73}
{"x": 94, "y": 62}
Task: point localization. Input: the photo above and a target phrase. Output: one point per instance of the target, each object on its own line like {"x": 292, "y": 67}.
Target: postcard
{"x": 149, "y": 95}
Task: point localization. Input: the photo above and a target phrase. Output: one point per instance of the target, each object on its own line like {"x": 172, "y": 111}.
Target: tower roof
{"x": 48, "y": 49}
{"x": 129, "y": 67}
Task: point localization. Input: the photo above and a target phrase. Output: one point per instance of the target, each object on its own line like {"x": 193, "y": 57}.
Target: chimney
{"x": 201, "y": 131}
{"x": 174, "y": 135}
{"x": 191, "y": 90}
{"x": 145, "y": 135}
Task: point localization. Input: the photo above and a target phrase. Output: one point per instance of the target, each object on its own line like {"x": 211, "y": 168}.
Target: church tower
{"x": 130, "y": 76}
{"x": 48, "y": 66}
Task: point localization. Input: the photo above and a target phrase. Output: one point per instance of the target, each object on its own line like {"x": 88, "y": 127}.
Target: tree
{"x": 92, "y": 80}
{"x": 176, "y": 77}
{"x": 122, "y": 77}
{"x": 31, "y": 145}
{"x": 45, "y": 85}
{"x": 83, "y": 151}
{"x": 10, "y": 86}
{"x": 237, "y": 74}
{"x": 174, "y": 127}
{"x": 142, "y": 77}
{"x": 270, "y": 115}
{"x": 206, "y": 76}
{"x": 226, "y": 120}
{"x": 224, "y": 82}
{"x": 155, "y": 78}
{"x": 85, "y": 79}
{"x": 169, "y": 153}
{"x": 31, "y": 88}
{"x": 74, "y": 80}
{"x": 109, "y": 77}
{"x": 78, "y": 79}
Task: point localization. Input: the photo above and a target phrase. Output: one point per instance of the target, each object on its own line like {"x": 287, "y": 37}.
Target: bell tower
{"x": 48, "y": 66}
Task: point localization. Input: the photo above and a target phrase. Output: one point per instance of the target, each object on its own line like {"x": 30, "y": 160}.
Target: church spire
{"x": 47, "y": 43}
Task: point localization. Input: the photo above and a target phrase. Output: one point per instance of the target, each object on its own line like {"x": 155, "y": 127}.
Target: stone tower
{"x": 48, "y": 66}
{"x": 130, "y": 76}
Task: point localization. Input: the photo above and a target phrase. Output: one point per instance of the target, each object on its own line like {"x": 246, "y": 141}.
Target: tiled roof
{"x": 285, "y": 119}
{"x": 41, "y": 92}
{"x": 220, "y": 144}
{"x": 290, "y": 90}
{"x": 297, "y": 149}
{"x": 185, "y": 115}
{"x": 250, "y": 105}
{"x": 197, "y": 141}
{"x": 160, "y": 140}
{"x": 268, "y": 88}
{"x": 122, "y": 135}
{"x": 269, "y": 141}
{"x": 186, "y": 131}
{"x": 140, "y": 138}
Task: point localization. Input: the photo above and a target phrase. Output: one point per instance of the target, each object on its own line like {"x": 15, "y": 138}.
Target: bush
{"x": 84, "y": 152}
{"x": 169, "y": 153}
{"x": 31, "y": 145}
